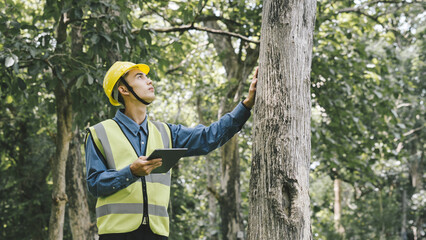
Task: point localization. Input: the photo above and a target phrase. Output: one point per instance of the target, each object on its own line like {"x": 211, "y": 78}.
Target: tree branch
{"x": 359, "y": 11}
{"x": 214, "y": 193}
{"x": 368, "y": 4}
{"x": 188, "y": 27}
{"x": 226, "y": 21}
{"x": 412, "y": 131}
{"x": 160, "y": 15}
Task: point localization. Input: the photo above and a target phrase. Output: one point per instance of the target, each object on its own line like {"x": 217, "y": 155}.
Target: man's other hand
{"x": 142, "y": 166}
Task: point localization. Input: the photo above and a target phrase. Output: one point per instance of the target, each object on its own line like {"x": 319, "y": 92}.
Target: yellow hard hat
{"x": 114, "y": 73}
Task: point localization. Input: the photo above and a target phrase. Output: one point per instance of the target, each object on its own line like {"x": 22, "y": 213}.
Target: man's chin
{"x": 150, "y": 99}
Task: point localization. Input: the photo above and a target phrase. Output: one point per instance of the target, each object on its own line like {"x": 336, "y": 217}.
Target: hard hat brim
{"x": 143, "y": 67}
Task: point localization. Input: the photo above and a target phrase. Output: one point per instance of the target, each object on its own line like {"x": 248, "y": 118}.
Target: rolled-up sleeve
{"x": 201, "y": 140}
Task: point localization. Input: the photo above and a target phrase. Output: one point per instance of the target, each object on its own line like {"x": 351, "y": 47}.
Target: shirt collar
{"x": 131, "y": 125}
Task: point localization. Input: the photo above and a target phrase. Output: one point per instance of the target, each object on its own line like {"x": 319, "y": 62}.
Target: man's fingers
{"x": 254, "y": 82}
{"x": 150, "y": 168}
{"x": 154, "y": 161}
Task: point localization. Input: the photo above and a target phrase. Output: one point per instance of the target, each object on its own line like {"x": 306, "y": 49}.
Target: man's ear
{"x": 123, "y": 90}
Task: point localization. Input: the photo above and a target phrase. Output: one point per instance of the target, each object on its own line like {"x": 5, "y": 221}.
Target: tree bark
{"x": 78, "y": 208}
{"x": 237, "y": 71}
{"x": 404, "y": 215}
{"x": 211, "y": 186}
{"x": 230, "y": 199}
{"x": 279, "y": 183}
{"x": 63, "y": 137}
{"x": 338, "y": 227}
{"x": 212, "y": 199}
{"x": 416, "y": 172}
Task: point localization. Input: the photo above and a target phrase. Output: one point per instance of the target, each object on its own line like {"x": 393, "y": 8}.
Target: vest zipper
{"x": 145, "y": 218}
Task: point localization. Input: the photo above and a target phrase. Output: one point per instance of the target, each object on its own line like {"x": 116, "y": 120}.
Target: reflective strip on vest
{"x": 159, "y": 178}
{"x": 163, "y": 132}
{"x": 130, "y": 208}
{"x": 102, "y": 136}
{"x": 122, "y": 211}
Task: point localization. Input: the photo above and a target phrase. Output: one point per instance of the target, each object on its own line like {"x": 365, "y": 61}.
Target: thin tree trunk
{"x": 279, "y": 183}
{"x": 382, "y": 231}
{"x": 64, "y": 114}
{"x": 338, "y": 208}
{"x": 232, "y": 224}
{"x": 78, "y": 208}
{"x": 416, "y": 172}
{"x": 211, "y": 186}
{"x": 232, "y": 227}
{"x": 63, "y": 137}
{"x": 404, "y": 215}
{"x": 212, "y": 198}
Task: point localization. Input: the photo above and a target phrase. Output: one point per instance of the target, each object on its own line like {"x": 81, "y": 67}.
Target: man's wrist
{"x": 247, "y": 104}
{"x": 133, "y": 170}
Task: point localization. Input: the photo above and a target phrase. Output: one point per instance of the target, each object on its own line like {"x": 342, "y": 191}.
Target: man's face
{"x": 141, "y": 84}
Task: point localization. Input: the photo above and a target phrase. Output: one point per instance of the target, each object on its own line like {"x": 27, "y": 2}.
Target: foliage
{"x": 364, "y": 63}
{"x": 368, "y": 94}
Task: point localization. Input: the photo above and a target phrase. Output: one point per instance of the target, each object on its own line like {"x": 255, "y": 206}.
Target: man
{"x": 131, "y": 202}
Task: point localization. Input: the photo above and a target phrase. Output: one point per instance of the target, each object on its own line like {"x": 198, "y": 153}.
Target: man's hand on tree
{"x": 249, "y": 101}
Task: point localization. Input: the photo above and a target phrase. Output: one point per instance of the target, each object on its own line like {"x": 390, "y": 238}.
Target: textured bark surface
{"x": 230, "y": 199}
{"x": 279, "y": 183}
{"x": 78, "y": 208}
{"x": 64, "y": 134}
{"x": 63, "y": 137}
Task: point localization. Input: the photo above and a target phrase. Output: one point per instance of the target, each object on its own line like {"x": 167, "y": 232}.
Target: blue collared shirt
{"x": 199, "y": 140}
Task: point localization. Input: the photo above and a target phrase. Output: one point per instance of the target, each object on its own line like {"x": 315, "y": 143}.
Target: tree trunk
{"x": 382, "y": 234}
{"x": 338, "y": 208}
{"x": 63, "y": 137}
{"x": 232, "y": 223}
{"x": 64, "y": 116}
{"x": 78, "y": 208}
{"x": 404, "y": 215}
{"x": 212, "y": 198}
{"x": 211, "y": 186}
{"x": 237, "y": 71}
{"x": 279, "y": 183}
{"x": 416, "y": 172}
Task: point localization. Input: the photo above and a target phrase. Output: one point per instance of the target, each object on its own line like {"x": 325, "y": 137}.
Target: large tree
{"x": 279, "y": 183}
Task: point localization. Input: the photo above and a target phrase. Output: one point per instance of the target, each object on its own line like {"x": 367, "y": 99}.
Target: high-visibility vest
{"x": 123, "y": 211}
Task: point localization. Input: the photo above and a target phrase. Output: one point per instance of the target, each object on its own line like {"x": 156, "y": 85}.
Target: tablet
{"x": 170, "y": 157}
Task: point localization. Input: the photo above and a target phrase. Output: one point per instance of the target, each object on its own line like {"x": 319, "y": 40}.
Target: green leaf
{"x": 145, "y": 34}
{"x": 108, "y": 38}
{"x": 21, "y": 84}
{"x": 89, "y": 79}
{"x": 79, "y": 82}
{"x": 94, "y": 39}
{"x": 78, "y": 13}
